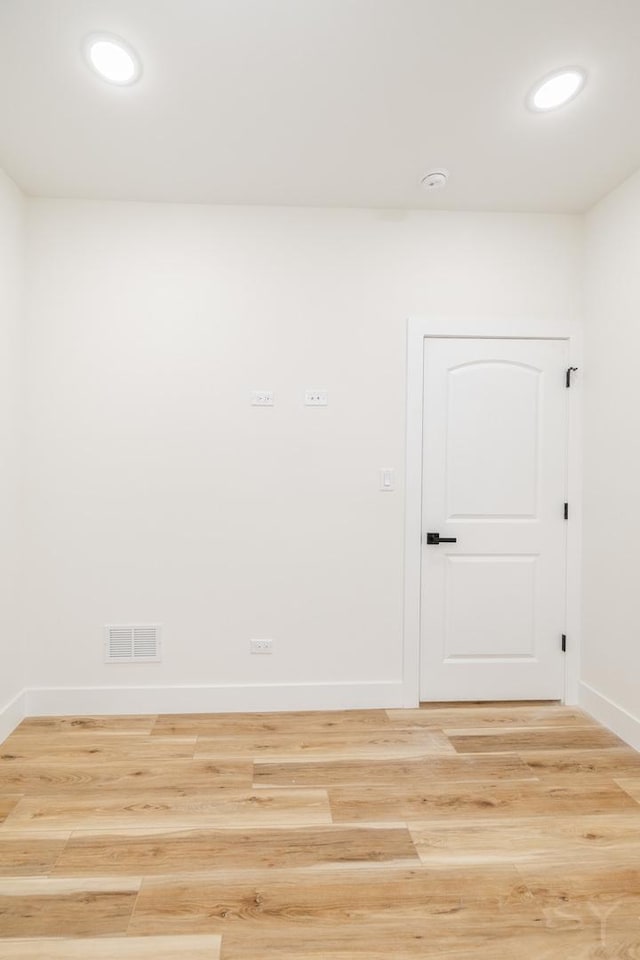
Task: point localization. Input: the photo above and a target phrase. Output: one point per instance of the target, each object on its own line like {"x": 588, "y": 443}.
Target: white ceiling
{"x": 322, "y": 102}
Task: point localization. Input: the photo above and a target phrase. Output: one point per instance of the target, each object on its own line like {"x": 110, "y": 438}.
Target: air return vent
{"x": 132, "y": 643}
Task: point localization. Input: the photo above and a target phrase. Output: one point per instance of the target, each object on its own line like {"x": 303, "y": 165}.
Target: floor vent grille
{"x": 132, "y": 643}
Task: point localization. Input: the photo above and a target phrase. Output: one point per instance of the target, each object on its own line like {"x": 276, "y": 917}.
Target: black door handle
{"x": 434, "y": 539}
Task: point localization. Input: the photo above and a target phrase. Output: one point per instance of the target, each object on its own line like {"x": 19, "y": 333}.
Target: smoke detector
{"x": 435, "y": 180}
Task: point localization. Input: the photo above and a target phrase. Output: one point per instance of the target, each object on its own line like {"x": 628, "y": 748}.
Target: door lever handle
{"x": 433, "y": 539}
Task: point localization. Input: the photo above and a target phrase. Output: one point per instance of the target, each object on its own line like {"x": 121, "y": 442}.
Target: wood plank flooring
{"x": 107, "y": 948}
{"x": 502, "y": 831}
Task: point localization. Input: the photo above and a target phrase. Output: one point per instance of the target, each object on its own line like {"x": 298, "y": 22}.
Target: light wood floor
{"x": 506, "y": 832}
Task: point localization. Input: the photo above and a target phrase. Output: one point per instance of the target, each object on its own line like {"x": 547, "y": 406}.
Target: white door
{"x": 495, "y": 479}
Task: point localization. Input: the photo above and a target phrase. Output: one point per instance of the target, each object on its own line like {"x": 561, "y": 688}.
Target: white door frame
{"x": 419, "y": 329}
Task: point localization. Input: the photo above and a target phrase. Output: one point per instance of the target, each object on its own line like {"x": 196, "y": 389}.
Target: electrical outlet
{"x": 316, "y": 398}
{"x": 261, "y": 646}
{"x": 262, "y": 398}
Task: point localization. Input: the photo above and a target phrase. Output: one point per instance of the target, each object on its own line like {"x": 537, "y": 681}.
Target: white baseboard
{"x": 61, "y": 701}
{"x": 616, "y": 718}
{"x": 12, "y": 714}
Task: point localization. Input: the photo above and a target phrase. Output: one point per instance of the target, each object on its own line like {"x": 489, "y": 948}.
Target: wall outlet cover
{"x": 261, "y": 646}
{"x": 316, "y": 398}
{"x": 262, "y": 398}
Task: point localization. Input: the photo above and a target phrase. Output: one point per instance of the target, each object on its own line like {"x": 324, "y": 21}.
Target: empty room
{"x": 319, "y": 460}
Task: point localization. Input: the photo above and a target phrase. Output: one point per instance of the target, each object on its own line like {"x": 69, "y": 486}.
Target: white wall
{"x": 11, "y": 277}
{"x": 611, "y": 650}
{"x": 158, "y": 494}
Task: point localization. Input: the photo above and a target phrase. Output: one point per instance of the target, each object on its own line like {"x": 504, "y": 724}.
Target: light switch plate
{"x": 387, "y": 479}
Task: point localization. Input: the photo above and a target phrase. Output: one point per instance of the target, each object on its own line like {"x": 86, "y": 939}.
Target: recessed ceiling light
{"x": 435, "y": 179}
{"x": 556, "y": 89}
{"x": 112, "y": 59}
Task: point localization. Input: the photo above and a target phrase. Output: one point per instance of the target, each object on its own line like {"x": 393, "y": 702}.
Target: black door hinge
{"x": 570, "y": 370}
{"x": 564, "y": 643}
{"x": 566, "y": 511}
